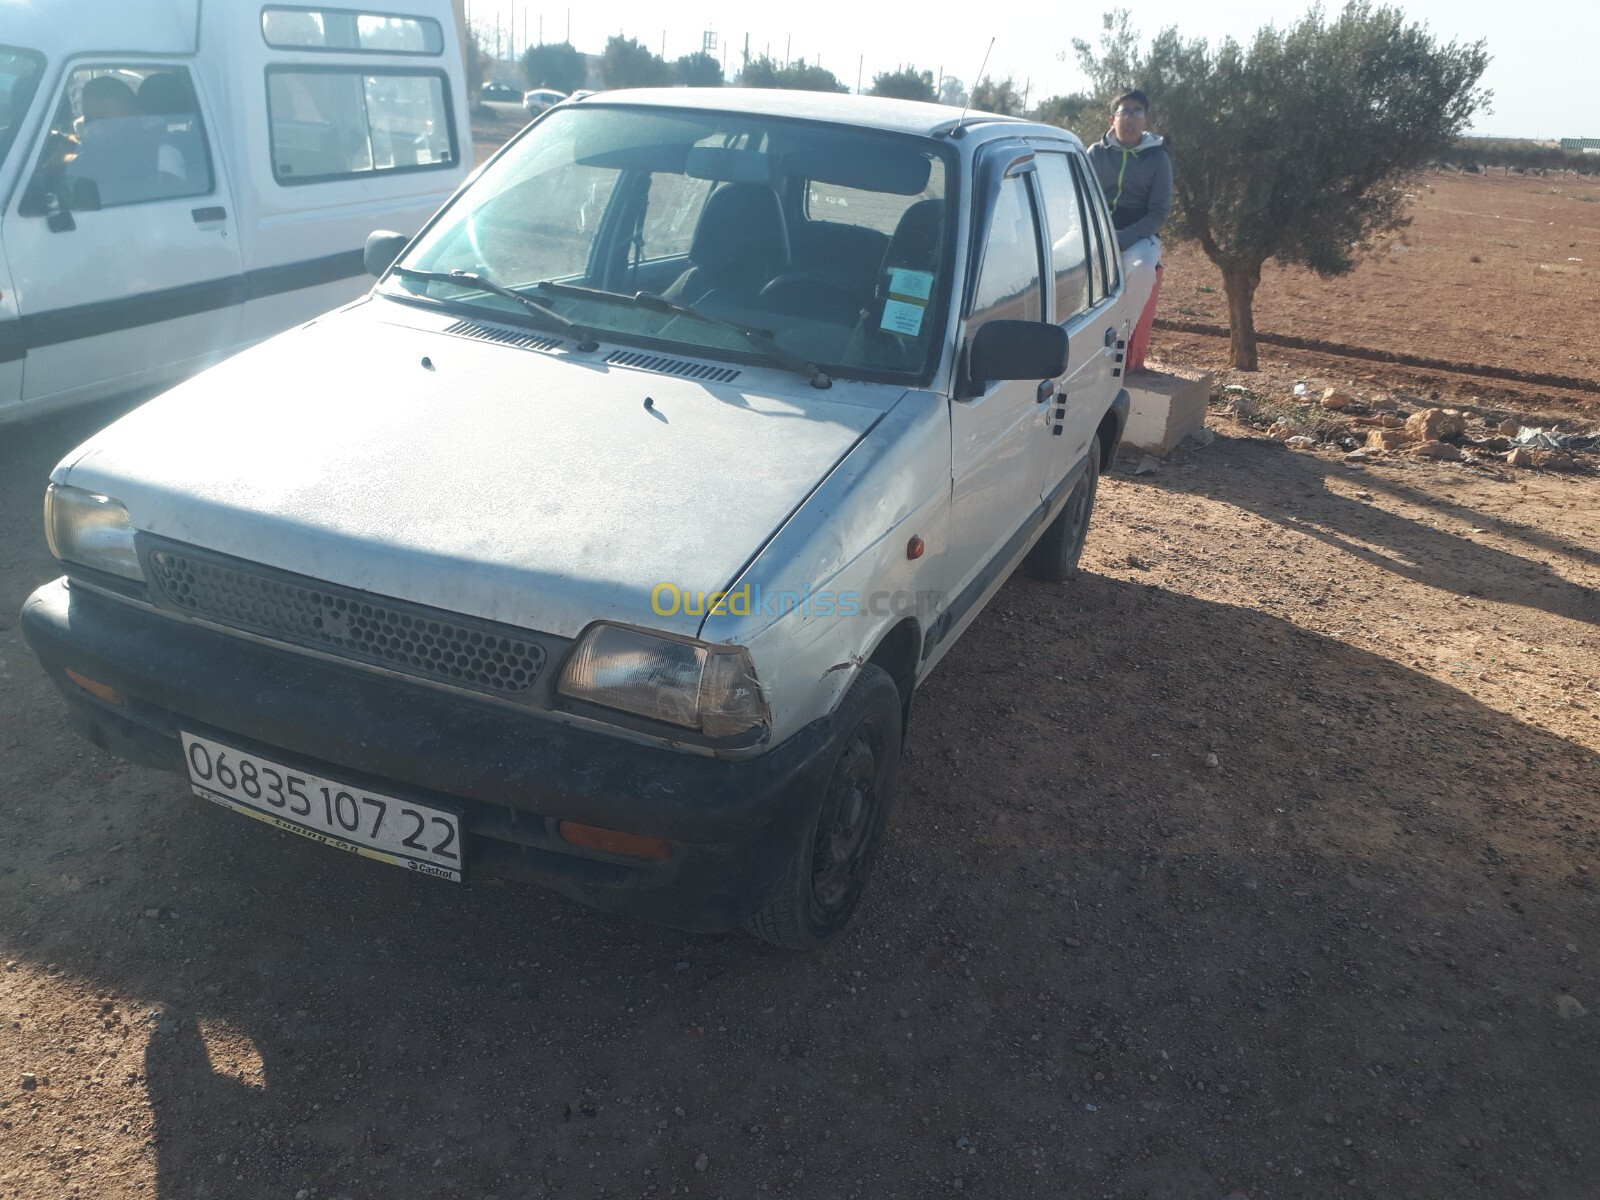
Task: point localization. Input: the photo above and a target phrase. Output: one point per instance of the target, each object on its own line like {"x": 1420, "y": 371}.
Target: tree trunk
{"x": 1240, "y": 282}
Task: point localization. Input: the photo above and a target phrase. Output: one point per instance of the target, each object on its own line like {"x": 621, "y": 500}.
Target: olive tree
{"x": 555, "y": 65}
{"x": 627, "y": 63}
{"x": 1297, "y": 147}
{"x": 907, "y": 83}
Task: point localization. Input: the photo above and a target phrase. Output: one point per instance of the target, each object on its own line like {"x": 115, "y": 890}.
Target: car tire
{"x": 828, "y": 875}
{"x": 1054, "y": 557}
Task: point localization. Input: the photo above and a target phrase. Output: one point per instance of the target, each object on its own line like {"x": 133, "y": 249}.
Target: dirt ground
{"x": 1259, "y": 860}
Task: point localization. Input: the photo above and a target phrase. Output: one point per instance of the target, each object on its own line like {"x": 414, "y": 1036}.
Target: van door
{"x": 1085, "y": 307}
{"x": 121, "y": 242}
{"x": 994, "y": 480}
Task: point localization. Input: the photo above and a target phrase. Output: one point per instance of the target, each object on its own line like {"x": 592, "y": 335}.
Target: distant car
{"x": 540, "y": 99}
{"x": 499, "y": 91}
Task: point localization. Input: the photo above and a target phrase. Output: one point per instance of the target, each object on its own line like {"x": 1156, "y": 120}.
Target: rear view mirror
{"x": 1016, "y": 350}
{"x": 383, "y": 247}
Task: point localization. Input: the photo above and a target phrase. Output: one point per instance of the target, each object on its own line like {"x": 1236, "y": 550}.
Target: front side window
{"x": 662, "y": 227}
{"x": 340, "y": 29}
{"x": 19, "y": 79}
{"x": 122, "y": 134}
{"x": 1008, "y": 281}
{"x": 333, "y": 123}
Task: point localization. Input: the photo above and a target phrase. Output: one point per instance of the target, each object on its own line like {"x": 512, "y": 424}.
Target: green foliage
{"x": 626, "y": 63}
{"x": 952, "y": 91}
{"x": 1516, "y": 154}
{"x": 1297, "y": 146}
{"x": 764, "y": 73}
{"x": 1001, "y": 97}
{"x": 476, "y": 63}
{"x": 907, "y": 83}
{"x": 555, "y": 65}
{"x": 1117, "y": 65}
{"x": 1065, "y": 111}
{"x": 697, "y": 70}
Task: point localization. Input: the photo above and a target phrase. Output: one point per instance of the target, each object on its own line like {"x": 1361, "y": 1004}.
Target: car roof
{"x": 868, "y": 112}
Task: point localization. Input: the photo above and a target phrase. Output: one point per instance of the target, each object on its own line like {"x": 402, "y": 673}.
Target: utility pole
{"x": 860, "y": 62}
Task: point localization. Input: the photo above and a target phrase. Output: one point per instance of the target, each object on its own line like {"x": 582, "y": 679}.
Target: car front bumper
{"x": 514, "y": 776}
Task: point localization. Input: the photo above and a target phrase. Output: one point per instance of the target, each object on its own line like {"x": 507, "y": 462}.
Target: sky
{"x": 1541, "y": 70}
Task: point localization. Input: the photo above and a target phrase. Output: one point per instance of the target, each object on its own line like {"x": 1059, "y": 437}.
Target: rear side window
{"x": 341, "y": 29}
{"x": 122, "y": 134}
{"x": 1105, "y": 259}
{"x": 1069, "y": 254}
{"x": 337, "y": 123}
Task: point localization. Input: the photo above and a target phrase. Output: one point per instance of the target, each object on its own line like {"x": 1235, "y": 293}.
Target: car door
{"x": 122, "y": 250}
{"x": 1084, "y": 306}
{"x": 994, "y": 482}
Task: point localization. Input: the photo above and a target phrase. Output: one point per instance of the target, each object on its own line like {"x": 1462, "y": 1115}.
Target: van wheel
{"x": 1054, "y": 557}
{"x": 828, "y": 875}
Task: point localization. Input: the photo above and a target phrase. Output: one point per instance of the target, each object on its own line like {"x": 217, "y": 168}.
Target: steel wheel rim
{"x": 841, "y": 850}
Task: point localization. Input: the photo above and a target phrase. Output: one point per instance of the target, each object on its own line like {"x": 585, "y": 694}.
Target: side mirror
{"x": 1015, "y": 350}
{"x": 382, "y": 248}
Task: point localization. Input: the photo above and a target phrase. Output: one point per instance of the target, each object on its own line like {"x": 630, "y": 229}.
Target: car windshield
{"x": 829, "y": 241}
{"x": 19, "y": 78}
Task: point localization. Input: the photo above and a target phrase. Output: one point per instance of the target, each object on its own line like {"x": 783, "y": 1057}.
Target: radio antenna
{"x": 956, "y": 132}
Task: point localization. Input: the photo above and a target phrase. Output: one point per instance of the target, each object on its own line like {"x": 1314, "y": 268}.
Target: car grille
{"x": 425, "y": 642}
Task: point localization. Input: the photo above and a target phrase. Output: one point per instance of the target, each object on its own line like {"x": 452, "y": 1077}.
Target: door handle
{"x": 201, "y": 215}
{"x": 1046, "y": 390}
{"x": 1111, "y": 336}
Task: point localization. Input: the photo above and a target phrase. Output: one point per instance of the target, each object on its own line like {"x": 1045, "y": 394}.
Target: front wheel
{"x": 828, "y": 875}
{"x": 1055, "y": 555}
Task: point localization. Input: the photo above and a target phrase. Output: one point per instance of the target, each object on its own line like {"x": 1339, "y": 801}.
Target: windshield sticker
{"x": 910, "y": 285}
{"x": 900, "y": 317}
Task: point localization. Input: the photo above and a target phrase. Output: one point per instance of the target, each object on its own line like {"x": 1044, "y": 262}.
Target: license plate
{"x": 345, "y": 816}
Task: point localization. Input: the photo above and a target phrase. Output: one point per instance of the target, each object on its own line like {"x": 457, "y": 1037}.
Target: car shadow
{"x": 1233, "y": 471}
{"x": 1090, "y": 961}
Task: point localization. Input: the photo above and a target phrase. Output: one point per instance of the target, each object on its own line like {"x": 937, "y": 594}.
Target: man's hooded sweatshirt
{"x": 1137, "y": 183}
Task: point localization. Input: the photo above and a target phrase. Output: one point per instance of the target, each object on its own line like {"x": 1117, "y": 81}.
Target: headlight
{"x": 90, "y": 530}
{"x": 695, "y": 685}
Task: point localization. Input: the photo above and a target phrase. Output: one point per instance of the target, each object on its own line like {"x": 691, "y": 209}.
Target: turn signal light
{"x": 95, "y": 688}
{"x": 634, "y": 845}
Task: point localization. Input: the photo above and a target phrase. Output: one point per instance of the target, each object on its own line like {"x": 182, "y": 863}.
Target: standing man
{"x": 1136, "y": 173}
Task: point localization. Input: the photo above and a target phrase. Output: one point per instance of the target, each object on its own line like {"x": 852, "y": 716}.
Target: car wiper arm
{"x": 760, "y": 341}
{"x": 479, "y": 283}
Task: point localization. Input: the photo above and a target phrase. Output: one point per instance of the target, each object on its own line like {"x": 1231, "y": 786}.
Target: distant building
{"x": 1587, "y": 145}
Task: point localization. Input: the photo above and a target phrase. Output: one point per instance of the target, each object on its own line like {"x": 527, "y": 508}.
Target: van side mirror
{"x": 383, "y": 247}
{"x": 1014, "y": 350}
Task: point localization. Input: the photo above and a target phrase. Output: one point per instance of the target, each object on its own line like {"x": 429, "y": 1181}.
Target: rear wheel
{"x": 1055, "y": 555}
{"x": 829, "y": 872}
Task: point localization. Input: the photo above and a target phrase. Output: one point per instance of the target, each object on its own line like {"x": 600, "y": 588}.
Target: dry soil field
{"x": 1261, "y": 860}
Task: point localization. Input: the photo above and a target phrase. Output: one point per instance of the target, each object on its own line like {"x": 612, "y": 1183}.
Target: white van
{"x": 180, "y": 178}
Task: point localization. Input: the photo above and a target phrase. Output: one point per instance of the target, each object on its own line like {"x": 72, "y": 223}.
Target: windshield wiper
{"x": 763, "y": 344}
{"x": 478, "y": 283}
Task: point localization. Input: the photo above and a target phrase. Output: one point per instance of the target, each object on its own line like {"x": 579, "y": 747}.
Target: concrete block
{"x": 1168, "y": 404}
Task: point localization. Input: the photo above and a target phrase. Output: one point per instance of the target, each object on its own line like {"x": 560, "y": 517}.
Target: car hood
{"x": 542, "y": 489}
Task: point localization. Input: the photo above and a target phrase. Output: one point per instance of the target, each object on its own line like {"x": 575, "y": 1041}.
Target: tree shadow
{"x": 1243, "y": 472}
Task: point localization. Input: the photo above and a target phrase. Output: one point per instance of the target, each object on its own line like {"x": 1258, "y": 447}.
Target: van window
{"x": 328, "y": 123}
{"x": 340, "y": 29}
{"x": 122, "y": 134}
{"x": 19, "y": 78}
